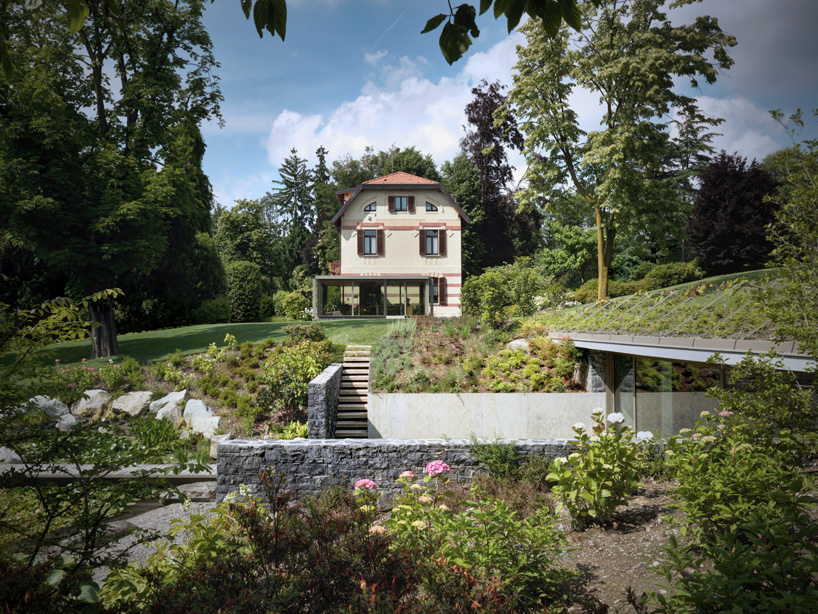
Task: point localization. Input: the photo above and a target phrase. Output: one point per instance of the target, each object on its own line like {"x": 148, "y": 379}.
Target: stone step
{"x": 352, "y": 397}
{"x": 356, "y": 359}
{"x": 351, "y": 433}
{"x": 354, "y": 378}
{"x": 352, "y": 415}
{"x": 356, "y": 368}
{"x": 351, "y": 406}
{"x": 350, "y": 386}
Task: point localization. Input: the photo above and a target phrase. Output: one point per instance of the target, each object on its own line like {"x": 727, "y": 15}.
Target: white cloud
{"x": 747, "y": 129}
{"x": 374, "y": 58}
{"x": 396, "y": 106}
{"x": 228, "y": 189}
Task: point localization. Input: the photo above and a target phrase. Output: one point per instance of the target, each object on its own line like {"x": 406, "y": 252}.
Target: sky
{"x": 358, "y": 73}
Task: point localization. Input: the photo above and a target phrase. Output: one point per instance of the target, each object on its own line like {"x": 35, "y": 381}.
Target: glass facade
{"x": 662, "y": 396}
{"x": 339, "y": 297}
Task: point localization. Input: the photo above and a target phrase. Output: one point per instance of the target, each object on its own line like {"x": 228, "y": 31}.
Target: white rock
{"x": 134, "y": 403}
{"x": 98, "y": 400}
{"x": 195, "y": 408}
{"x": 215, "y": 441}
{"x": 66, "y": 422}
{"x": 178, "y": 397}
{"x": 206, "y": 425}
{"x": 518, "y": 344}
{"x": 53, "y": 407}
{"x": 7, "y": 455}
{"x": 170, "y": 412}
{"x": 199, "y": 491}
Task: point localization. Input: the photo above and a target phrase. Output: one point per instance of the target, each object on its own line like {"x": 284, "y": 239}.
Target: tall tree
{"x": 462, "y": 180}
{"x": 629, "y": 54}
{"x": 92, "y": 173}
{"x": 505, "y": 232}
{"x": 326, "y": 243}
{"x": 731, "y": 214}
{"x": 350, "y": 172}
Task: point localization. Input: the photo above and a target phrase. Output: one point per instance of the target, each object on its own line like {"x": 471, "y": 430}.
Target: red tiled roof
{"x": 400, "y": 178}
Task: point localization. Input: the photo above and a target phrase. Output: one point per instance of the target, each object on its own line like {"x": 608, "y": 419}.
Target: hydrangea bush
{"x": 602, "y": 472}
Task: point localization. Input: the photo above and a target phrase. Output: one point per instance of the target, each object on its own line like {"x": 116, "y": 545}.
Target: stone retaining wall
{"x": 315, "y": 464}
{"x": 322, "y": 410}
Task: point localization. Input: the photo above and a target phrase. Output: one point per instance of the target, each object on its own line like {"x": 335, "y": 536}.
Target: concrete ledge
{"x": 312, "y": 465}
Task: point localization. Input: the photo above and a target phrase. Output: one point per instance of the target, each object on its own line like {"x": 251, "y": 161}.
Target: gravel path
{"x": 158, "y": 519}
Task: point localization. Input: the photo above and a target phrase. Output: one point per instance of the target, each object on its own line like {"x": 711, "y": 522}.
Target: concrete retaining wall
{"x": 322, "y": 409}
{"x": 484, "y": 415}
{"x": 314, "y": 464}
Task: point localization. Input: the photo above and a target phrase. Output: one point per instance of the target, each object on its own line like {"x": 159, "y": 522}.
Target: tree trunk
{"x": 602, "y": 265}
{"x": 103, "y": 333}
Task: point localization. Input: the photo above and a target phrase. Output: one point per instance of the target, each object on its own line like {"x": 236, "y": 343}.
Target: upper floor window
{"x": 433, "y": 242}
{"x": 370, "y": 242}
{"x": 431, "y": 207}
{"x": 370, "y": 207}
{"x": 402, "y": 203}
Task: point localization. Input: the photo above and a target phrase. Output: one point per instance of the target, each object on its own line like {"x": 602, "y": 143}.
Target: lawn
{"x": 156, "y": 345}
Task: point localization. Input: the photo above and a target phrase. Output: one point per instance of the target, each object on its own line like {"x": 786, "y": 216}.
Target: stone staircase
{"x": 351, "y": 419}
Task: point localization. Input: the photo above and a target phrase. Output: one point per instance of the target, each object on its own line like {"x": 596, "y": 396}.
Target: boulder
{"x": 7, "y": 455}
{"x": 170, "y": 412}
{"x": 178, "y": 397}
{"x": 199, "y": 491}
{"x": 98, "y": 402}
{"x": 206, "y": 425}
{"x": 134, "y": 403}
{"x": 53, "y": 407}
{"x": 66, "y": 422}
{"x": 195, "y": 408}
{"x": 518, "y": 344}
{"x": 215, "y": 441}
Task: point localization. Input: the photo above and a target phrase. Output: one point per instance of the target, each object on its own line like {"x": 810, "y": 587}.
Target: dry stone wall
{"x": 311, "y": 465}
{"x": 322, "y": 411}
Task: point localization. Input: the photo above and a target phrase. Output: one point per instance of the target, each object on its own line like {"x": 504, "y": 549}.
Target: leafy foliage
{"x": 244, "y": 291}
{"x": 601, "y": 473}
{"x": 728, "y": 230}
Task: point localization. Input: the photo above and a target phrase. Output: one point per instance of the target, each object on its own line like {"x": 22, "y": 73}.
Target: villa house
{"x": 400, "y": 251}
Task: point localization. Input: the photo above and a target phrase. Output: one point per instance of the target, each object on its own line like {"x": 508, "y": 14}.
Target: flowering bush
{"x": 436, "y": 467}
{"x": 78, "y": 379}
{"x": 601, "y": 474}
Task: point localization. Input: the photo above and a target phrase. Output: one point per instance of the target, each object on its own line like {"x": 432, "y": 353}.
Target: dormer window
{"x": 430, "y": 207}
{"x": 401, "y": 203}
{"x": 370, "y": 207}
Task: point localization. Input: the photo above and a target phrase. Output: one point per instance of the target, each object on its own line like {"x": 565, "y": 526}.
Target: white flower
{"x": 598, "y": 411}
{"x": 579, "y": 426}
{"x": 644, "y": 435}
{"x": 704, "y": 414}
{"x": 573, "y": 455}
{"x": 684, "y": 431}
{"x": 560, "y": 460}
{"x": 616, "y": 418}
{"x": 594, "y": 438}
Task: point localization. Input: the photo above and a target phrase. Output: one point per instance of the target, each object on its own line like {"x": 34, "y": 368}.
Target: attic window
{"x": 370, "y": 207}
{"x": 401, "y": 203}
{"x": 431, "y": 207}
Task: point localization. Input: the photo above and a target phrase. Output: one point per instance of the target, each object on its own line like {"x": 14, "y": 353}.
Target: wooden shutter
{"x": 361, "y": 242}
{"x": 441, "y": 291}
{"x": 391, "y": 201}
{"x": 411, "y": 204}
{"x": 422, "y": 242}
{"x": 441, "y": 241}
{"x": 380, "y": 244}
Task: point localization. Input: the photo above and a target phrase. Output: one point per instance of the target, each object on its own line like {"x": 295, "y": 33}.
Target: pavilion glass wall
{"x": 662, "y": 396}
{"x": 379, "y": 298}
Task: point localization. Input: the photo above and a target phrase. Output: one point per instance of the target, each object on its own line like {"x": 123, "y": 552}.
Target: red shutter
{"x": 380, "y": 244}
{"x": 411, "y": 204}
{"x": 422, "y": 242}
{"x": 361, "y": 242}
{"x": 441, "y": 242}
{"x": 391, "y": 204}
{"x": 441, "y": 291}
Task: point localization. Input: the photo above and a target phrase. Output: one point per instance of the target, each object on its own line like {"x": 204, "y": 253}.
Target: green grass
{"x": 156, "y": 345}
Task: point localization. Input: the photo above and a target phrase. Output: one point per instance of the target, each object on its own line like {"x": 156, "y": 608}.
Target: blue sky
{"x": 353, "y": 73}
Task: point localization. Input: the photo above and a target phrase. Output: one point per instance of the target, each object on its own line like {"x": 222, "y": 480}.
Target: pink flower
{"x": 84, "y": 360}
{"x": 436, "y": 467}
{"x": 406, "y": 474}
{"x": 368, "y": 484}
{"x": 57, "y": 360}
{"x": 377, "y": 529}
{"x": 725, "y": 414}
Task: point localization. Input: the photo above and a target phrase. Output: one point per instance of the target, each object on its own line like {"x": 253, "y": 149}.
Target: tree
{"x": 93, "y": 175}
{"x": 243, "y": 233}
{"x": 629, "y": 54}
{"x": 325, "y": 246}
{"x": 569, "y": 239}
{"x": 731, "y": 215}
{"x": 350, "y": 172}
{"x": 461, "y": 179}
{"x": 505, "y": 231}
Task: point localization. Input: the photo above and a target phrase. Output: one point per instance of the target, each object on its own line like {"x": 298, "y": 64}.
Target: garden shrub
{"x": 213, "y": 311}
{"x": 767, "y": 563}
{"x": 674, "y": 273}
{"x": 501, "y": 459}
{"x": 296, "y": 306}
{"x": 112, "y": 376}
{"x": 587, "y": 292}
{"x": 267, "y": 306}
{"x": 502, "y": 292}
{"x": 287, "y": 373}
{"x": 133, "y": 372}
{"x": 601, "y": 474}
{"x": 76, "y": 380}
{"x": 304, "y": 332}
{"x": 244, "y": 291}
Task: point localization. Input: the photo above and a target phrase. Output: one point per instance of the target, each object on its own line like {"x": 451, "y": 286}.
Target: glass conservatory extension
{"x": 372, "y": 297}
